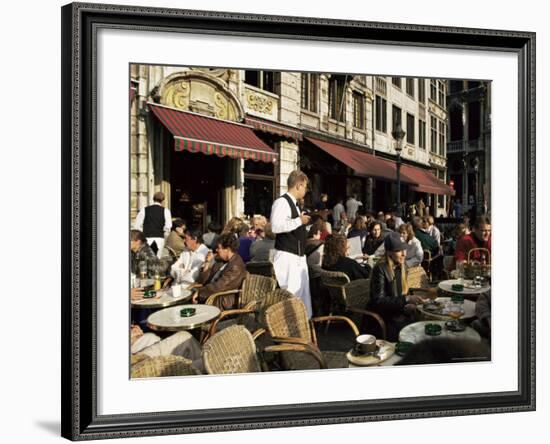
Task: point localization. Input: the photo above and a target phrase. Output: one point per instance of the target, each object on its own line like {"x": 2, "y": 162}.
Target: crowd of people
{"x": 300, "y": 244}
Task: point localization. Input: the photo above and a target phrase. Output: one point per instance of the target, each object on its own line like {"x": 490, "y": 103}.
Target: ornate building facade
{"x": 221, "y": 142}
{"x": 469, "y": 147}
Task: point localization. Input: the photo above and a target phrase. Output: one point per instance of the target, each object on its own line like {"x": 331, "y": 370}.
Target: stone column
{"x": 288, "y": 162}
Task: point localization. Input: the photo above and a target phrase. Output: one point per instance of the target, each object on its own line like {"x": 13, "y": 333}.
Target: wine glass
{"x": 143, "y": 270}
{"x": 456, "y": 310}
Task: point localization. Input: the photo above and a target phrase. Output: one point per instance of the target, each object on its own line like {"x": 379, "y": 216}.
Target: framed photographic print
{"x": 278, "y": 221}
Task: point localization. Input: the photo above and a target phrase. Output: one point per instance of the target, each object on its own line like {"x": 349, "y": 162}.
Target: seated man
{"x": 480, "y": 237}
{"x": 483, "y": 314}
{"x": 187, "y": 267}
{"x": 140, "y": 250}
{"x": 227, "y": 272}
{"x": 175, "y": 243}
{"x": 420, "y": 231}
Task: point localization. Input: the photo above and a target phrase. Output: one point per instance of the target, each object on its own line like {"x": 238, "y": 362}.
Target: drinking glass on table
{"x": 456, "y": 310}
{"x": 143, "y": 270}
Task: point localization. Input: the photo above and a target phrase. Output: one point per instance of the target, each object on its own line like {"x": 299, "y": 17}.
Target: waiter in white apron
{"x": 289, "y": 225}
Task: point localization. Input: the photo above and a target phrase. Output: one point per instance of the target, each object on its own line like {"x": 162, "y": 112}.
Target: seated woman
{"x": 335, "y": 259}
{"x": 227, "y": 272}
{"x": 389, "y": 288}
{"x": 320, "y": 298}
{"x": 414, "y": 252}
{"x": 359, "y": 228}
{"x": 264, "y": 243}
{"x": 374, "y": 239}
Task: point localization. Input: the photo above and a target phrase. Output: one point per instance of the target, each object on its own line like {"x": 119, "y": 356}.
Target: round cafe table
{"x": 170, "y": 319}
{"x": 163, "y": 299}
{"x": 442, "y": 314}
{"x": 469, "y": 289}
{"x": 415, "y": 332}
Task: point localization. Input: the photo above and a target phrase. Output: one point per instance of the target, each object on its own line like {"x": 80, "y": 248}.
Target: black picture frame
{"x": 80, "y": 420}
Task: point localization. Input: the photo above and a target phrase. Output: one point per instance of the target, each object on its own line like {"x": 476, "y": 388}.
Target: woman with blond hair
{"x": 389, "y": 288}
{"x": 232, "y": 226}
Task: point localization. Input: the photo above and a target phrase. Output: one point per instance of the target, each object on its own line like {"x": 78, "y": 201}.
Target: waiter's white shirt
{"x": 140, "y": 218}
{"x": 290, "y": 269}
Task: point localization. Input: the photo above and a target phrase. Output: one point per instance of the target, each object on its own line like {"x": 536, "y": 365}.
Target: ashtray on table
{"x": 187, "y": 312}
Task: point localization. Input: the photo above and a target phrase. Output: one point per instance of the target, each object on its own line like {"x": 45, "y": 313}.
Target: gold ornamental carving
{"x": 260, "y": 104}
{"x": 177, "y": 95}
{"x": 222, "y": 111}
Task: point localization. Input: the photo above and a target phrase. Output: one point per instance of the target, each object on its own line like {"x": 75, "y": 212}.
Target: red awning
{"x": 196, "y": 133}
{"x": 427, "y": 182}
{"x": 274, "y": 128}
{"x": 363, "y": 164}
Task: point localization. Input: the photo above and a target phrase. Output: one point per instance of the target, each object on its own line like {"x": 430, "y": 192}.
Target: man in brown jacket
{"x": 226, "y": 273}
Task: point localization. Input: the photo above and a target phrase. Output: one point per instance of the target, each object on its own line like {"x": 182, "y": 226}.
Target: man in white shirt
{"x": 155, "y": 222}
{"x": 187, "y": 268}
{"x": 432, "y": 230}
{"x": 337, "y": 212}
{"x": 289, "y": 225}
{"x": 352, "y": 205}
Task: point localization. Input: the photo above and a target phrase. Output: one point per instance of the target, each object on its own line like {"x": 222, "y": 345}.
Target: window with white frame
{"x": 433, "y": 131}
{"x": 409, "y": 88}
{"x": 381, "y": 114}
{"x": 410, "y": 129}
{"x": 337, "y": 98}
{"x": 421, "y": 134}
{"x": 358, "y": 110}
{"x": 310, "y": 88}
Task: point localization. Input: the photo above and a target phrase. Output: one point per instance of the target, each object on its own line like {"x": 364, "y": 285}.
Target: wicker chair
{"x": 350, "y": 297}
{"x": 163, "y": 366}
{"x": 418, "y": 282}
{"x": 288, "y": 324}
{"x": 233, "y": 350}
{"x": 262, "y": 268}
{"x": 431, "y": 262}
{"x": 254, "y": 290}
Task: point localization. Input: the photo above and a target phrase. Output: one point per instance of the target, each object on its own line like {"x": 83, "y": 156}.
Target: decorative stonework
{"x": 199, "y": 91}
{"x": 259, "y": 104}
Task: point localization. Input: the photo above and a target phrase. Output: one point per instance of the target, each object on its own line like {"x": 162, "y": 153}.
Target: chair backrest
{"x": 417, "y": 278}
{"x": 263, "y": 268}
{"x": 335, "y": 281}
{"x": 288, "y": 319}
{"x": 169, "y": 365}
{"x": 272, "y": 298}
{"x": 256, "y": 288}
{"x": 357, "y": 293}
{"x": 231, "y": 350}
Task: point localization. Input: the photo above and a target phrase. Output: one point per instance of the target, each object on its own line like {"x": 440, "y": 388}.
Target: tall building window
{"x": 410, "y": 129}
{"x": 396, "y": 81}
{"x": 381, "y": 117}
{"x": 456, "y": 86}
{"x": 442, "y": 93}
{"x": 441, "y": 138}
{"x": 422, "y": 91}
{"x": 337, "y": 98}
{"x": 473, "y": 84}
{"x": 396, "y": 117}
{"x": 261, "y": 79}
{"x": 433, "y": 132}
{"x": 310, "y": 88}
{"x": 358, "y": 110}
{"x": 381, "y": 85}
{"x": 422, "y": 134}
{"x": 410, "y": 87}
{"x": 433, "y": 90}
